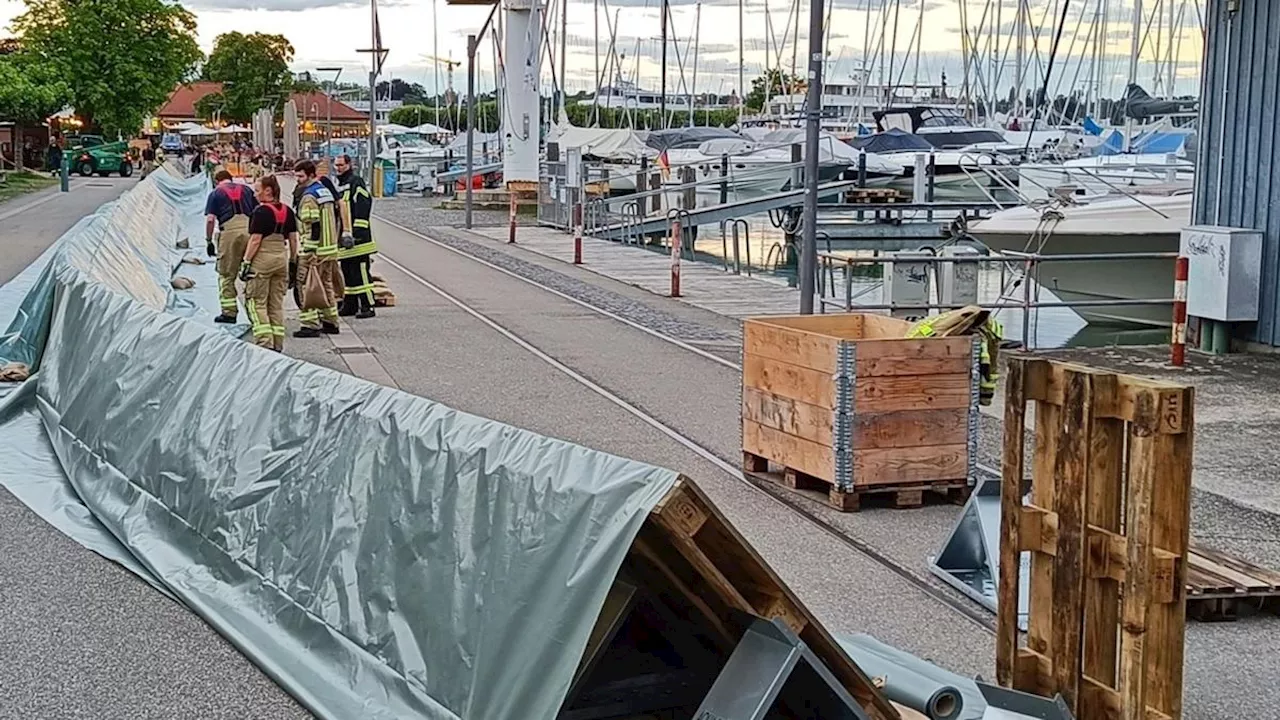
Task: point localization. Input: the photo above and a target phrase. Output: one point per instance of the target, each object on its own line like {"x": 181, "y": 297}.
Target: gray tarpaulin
{"x": 378, "y": 554}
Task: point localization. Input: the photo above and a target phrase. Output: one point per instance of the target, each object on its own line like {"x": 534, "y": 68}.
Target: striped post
{"x": 511, "y": 230}
{"x": 675, "y": 258}
{"x": 577, "y": 233}
{"x": 1178, "y": 345}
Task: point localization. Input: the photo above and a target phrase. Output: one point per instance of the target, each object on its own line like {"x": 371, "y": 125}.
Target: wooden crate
{"x": 1107, "y": 528}
{"x": 846, "y": 403}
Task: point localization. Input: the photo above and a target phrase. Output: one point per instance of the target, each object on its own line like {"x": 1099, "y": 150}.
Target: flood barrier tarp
{"x": 378, "y": 554}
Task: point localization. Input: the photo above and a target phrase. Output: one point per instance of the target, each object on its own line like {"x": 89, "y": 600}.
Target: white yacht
{"x": 1103, "y": 174}
{"x": 1142, "y": 222}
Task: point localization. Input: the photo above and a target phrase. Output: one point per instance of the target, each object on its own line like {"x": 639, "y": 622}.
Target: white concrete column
{"x": 521, "y": 103}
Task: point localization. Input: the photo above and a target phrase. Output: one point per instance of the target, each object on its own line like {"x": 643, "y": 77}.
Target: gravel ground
{"x": 700, "y": 410}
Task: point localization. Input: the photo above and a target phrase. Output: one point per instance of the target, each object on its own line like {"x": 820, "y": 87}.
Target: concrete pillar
{"x": 520, "y": 117}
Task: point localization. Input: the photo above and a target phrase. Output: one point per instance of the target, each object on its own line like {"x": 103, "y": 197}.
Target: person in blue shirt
{"x": 228, "y": 207}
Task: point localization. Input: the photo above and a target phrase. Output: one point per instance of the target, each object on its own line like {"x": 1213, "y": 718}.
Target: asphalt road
{"x": 80, "y": 637}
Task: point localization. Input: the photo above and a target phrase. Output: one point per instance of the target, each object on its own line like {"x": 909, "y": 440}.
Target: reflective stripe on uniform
{"x": 360, "y": 223}
{"x": 360, "y": 249}
{"x": 259, "y": 328}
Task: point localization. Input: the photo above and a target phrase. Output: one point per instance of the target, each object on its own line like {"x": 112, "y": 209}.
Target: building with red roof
{"x": 314, "y": 109}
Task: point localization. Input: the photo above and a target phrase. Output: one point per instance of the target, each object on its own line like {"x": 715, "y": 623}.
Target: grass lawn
{"x": 21, "y": 183}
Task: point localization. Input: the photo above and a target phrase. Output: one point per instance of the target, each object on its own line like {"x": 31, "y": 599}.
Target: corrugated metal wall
{"x": 1236, "y": 177}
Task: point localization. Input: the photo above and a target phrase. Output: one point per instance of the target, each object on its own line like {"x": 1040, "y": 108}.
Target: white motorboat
{"x": 1103, "y": 174}
{"x": 765, "y": 165}
{"x": 1134, "y": 223}
{"x": 962, "y": 154}
{"x": 618, "y": 150}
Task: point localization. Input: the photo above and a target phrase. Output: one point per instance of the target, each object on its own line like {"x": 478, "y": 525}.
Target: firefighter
{"x": 970, "y": 320}
{"x": 228, "y": 208}
{"x": 270, "y": 264}
{"x": 318, "y": 228}
{"x": 355, "y": 246}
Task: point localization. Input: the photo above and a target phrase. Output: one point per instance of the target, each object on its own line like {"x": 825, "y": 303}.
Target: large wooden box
{"x": 847, "y": 404}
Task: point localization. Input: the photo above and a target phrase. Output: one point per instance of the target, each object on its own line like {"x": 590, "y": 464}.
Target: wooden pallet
{"x": 1218, "y": 585}
{"x": 901, "y": 495}
{"x": 689, "y": 543}
{"x": 1107, "y": 529}
{"x": 874, "y": 196}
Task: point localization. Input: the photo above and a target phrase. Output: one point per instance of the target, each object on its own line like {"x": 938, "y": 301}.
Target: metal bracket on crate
{"x": 970, "y": 557}
{"x": 772, "y": 665}
{"x": 842, "y": 416}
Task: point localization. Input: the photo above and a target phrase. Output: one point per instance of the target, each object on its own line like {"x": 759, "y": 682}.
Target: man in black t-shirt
{"x": 270, "y": 264}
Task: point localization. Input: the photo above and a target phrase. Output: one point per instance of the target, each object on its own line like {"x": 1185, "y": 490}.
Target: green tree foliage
{"x": 28, "y": 92}
{"x": 775, "y": 82}
{"x": 254, "y": 71}
{"x": 120, "y": 58}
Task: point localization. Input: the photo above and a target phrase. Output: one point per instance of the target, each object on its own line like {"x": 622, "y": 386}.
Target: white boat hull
{"x": 1101, "y": 228}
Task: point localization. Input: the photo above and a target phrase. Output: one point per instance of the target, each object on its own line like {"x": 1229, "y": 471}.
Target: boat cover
{"x": 603, "y": 143}
{"x": 377, "y": 554}
{"x": 687, "y": 138}
{"x": 891, "y": 141}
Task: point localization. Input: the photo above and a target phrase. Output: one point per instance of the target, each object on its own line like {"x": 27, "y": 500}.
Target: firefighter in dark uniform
{"x": 356, "y": 246}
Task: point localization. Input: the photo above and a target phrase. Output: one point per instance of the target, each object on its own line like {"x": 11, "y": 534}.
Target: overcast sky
{"x": 328, "y": 32}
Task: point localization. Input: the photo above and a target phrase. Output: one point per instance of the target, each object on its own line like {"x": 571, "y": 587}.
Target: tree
{"x": 28, "y": 94}
{"x": 398, "y": 89}
{"x": 775, "y": 82}
{"x": 120, "y": 58}
{"x": 253, "y": 70}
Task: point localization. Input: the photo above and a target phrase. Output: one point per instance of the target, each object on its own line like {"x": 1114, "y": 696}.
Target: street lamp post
{"x": 328, "y": 129}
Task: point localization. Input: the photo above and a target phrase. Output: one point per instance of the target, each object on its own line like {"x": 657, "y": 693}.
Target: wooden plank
{"x": 647, "y": 551}
{"x": 1039, "y": 631}
{"x": 1171, "y": 402}
{"x": 790, "y": 345}
{"x": 915, "y": 348}
{"x": 1167, "y": 454}
{"x": 910, "y": 428}
{"x": 1038, "y": 530}
{"x": 1136, "y": 592}
{"x": 788, "y": 381}
{"x": 889, "y": 365}
{"x": 911, "y": 392}
{"x": 1071, "y": 468}
{"x": 1246, "y": 582}
{"x": 888, "y": 466}
{"x": 794, "y": 452}
{"x": 1268, "y": 576}
{"x": 789, "y": 416}
{"x": 1011, "y": 469}
{"x": 847, "y": 326}
{"x": 1102, "y": 590}
{"x": 884, "y": 326}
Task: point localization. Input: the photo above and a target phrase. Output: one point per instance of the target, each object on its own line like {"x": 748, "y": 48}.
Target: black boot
{"x": 348, "y": 307}
{"x": 306, "y": 332}
{"x": 226, "y": 319}
{"x": 328, "y": 328}
{"x": 366, "y": 308}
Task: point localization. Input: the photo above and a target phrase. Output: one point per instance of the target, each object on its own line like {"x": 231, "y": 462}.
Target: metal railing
{"x": 1028, "y": 276}
{"x": 729, "y": 228}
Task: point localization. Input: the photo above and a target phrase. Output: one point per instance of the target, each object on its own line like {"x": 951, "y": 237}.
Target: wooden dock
{"x": 704, "y": 285}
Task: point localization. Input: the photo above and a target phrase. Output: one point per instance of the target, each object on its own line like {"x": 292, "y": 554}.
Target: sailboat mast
{"x": 697, "y": 40}
{"x": 742, "y": 97}
{"x": 564, "y": 41}
{"x": 435, "y": 55}
{"x": 1021, "y": 19}
{"x": 1134, "y": 50}
{"x": 662, "y": 102}
{"x": 915, "y": 76}
{"x": 1174, "y": 31}
{"x": 595, "y": 95}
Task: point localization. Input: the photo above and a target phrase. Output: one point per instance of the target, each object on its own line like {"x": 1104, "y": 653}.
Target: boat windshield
{"x": 400, "y": 141}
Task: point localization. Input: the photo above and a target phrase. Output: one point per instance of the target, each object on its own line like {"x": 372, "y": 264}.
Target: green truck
{"x": 90, "y": 154}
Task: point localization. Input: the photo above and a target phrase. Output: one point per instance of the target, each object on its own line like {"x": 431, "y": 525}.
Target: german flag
{"x": 664, "y": 163}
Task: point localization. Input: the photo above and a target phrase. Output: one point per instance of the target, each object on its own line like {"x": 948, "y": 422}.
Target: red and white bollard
{"x": 1178, "y": 345}
{"x": 577, "y": 234}
{"x": 675, "y": 258}
{"x": 511, "y": 232}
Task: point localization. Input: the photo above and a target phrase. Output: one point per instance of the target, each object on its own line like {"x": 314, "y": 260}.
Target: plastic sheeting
{"x": 378, "y": 554}
{"x": 915, "y": 683}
